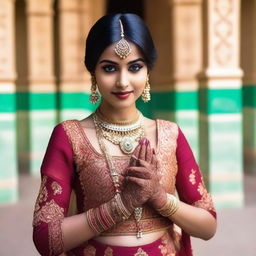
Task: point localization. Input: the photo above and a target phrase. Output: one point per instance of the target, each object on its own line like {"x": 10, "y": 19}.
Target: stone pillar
{"x": 8, "y": 160}
{"x": 161, "y": 104}
{"x": 178, "y": 40}
{"x": 248, "y": 63}
{"x": 221, "y": 150}
{"x": 75, "y": 20}
{"x": 36, "y": 87}
{"x": 187, "y": 63}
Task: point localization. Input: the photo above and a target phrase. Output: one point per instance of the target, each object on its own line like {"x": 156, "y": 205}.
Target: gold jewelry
{"x": 123, "y": 135}
{"x": 146, "y": 92}
{"x": 170, "y": 207}
{"x": 95, "y": 96}
{"x": 117, "y": 122}
{"x": 119, "y": 206}
{"x": 122, "y": 48}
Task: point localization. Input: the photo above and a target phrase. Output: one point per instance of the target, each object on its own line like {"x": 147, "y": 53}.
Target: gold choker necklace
{"x": 125, "y": 136}
{"x": 117, "y": 122}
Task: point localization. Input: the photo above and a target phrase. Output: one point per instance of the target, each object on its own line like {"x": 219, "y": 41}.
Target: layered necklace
{"x": 124, "y": 133}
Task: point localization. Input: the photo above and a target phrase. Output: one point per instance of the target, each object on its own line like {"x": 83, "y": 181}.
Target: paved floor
{"x": 235, "y": 235}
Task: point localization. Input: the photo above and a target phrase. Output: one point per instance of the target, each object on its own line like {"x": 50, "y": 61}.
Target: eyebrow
{"x": 130, "y": 62}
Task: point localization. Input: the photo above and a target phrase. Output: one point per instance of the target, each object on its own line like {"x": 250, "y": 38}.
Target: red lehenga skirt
{"x": 161, "y": 247}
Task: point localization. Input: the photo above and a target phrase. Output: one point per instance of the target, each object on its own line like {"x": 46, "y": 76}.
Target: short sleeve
{"x": 189, "y": 180}
{"x": 52, "y": 203}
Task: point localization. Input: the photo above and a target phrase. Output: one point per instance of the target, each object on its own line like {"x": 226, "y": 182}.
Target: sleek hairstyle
{"x": 107, "y": 31}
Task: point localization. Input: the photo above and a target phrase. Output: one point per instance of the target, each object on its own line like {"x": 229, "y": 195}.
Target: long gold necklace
{"x": 124, "y": 133}
{"x": 114, "y": 174}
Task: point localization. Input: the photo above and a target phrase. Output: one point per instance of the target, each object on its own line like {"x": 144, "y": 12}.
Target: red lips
{"x": 122, "y": 95}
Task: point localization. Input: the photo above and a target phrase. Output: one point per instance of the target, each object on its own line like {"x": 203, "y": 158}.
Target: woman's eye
{"x": 135, "y": 67}
{"x": 109, "y": 68}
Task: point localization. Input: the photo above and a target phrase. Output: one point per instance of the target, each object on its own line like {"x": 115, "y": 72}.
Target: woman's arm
{"x": 196, "y": 214}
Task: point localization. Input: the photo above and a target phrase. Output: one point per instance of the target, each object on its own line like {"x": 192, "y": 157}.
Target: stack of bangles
{"x": 107, "y": 215}
{"x": 170, "y": 207}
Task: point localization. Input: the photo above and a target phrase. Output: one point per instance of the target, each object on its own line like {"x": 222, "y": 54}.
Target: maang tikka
{"x": 122, "y": 48}
{"x": 95, "y": 96}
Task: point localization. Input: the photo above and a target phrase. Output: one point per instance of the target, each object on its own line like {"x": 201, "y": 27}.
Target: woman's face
{"x": 121, "y": 81}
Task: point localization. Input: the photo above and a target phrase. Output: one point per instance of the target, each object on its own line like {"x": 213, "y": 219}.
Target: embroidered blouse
{"x": 72, "y": 164}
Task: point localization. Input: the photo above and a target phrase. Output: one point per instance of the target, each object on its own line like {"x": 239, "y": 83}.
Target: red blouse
{"x": 72, "y": 163}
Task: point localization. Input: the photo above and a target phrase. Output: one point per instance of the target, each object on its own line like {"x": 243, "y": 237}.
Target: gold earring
{"x": 146, "y": 92}
{"x": 95, "y": 96}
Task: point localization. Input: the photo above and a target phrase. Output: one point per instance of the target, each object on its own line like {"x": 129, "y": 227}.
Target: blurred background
{"x": 204, "y": 79}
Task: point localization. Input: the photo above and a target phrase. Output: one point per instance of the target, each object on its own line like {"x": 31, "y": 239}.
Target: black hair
{"x": 107, "y": 31}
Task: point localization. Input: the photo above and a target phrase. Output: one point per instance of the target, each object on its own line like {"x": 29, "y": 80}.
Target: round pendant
{"x": 126, "y": 145}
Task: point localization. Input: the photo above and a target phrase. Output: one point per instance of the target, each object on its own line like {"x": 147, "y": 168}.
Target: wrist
{"x": 170, "y": 207}
{"x": 159, "y": 200}
{"x": 107, "y": 215}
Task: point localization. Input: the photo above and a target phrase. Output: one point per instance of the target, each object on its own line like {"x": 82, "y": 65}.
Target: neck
{"x": 122, "y": 114}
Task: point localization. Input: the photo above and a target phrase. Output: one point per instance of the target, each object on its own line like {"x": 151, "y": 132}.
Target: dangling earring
{"x": 95, "y": 96}
{"x": 146, "y": 92}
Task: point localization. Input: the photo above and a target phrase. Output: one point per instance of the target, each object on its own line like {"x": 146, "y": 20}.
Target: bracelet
{"x": 170, "y": 207}
{"x": 107, "y": 215}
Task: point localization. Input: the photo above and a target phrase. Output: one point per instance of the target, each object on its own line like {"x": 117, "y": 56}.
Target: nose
{"x": 123, "y": 80}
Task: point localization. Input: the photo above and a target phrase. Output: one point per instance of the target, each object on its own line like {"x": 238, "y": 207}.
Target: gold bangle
{"x": 170, "y": 207}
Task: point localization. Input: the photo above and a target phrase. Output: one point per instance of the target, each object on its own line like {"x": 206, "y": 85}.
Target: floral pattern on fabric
{"x": 108, "y": 252}
{"x": 206, "y": 201}
{"x": 57, "y": 189}
{"x": 89, "y": 250}
{"x": 192, "y": 177}
{"x": 55, "y": 238}
{"x": 166, "y": 247}
{"x": 140, "y": 252}
{"x": 42, "y": 196}
{"x": 48, "y": 213}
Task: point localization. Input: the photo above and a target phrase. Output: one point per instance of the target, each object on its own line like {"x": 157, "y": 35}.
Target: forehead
{"x": 109, "y": 53}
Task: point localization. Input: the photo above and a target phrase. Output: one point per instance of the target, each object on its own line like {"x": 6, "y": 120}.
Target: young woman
{"x": 124, "y": 168}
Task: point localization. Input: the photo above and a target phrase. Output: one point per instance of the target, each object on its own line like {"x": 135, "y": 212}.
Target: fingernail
{"x": 142, "y": 141}
{"x": 147, "y": 142}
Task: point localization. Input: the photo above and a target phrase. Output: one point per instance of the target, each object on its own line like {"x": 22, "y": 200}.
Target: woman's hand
{"x": 142, "y": 179}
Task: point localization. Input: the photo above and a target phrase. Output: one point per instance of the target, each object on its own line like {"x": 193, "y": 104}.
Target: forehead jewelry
{"x": 122, "y": 48}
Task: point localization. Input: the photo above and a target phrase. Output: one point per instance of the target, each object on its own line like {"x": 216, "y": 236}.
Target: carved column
{"x": 248, "y": 63}
{"x": 8, "y": 163}
{"x": 221, "y": 151}
{"x": 187, "y": 62}
{"x": 36, "y": 85}
{"x": 161, "y": 104}
{"x": 178, "y": 40}
{"x": 75, "y": 20}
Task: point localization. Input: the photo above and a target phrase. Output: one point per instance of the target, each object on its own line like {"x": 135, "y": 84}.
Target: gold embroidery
{"x": 49, "y": 212}
{"x": 140, "y": 252}
{"x": 55, "y": 238}
{"x": 166, "y": 247}
{"x": 166, "y": 153}
{"x": 108, "y": 252}
{"x": 42, "y": 195}
{"x": 57, "y": 189}
{"x": 192, "y": 177}
{"x": 88, "y": 161}
{"x": 206, "y": 201}
{"x": 89, "y": 250}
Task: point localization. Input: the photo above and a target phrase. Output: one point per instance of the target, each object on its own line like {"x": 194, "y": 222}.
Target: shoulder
{"x": 167, "y": 125}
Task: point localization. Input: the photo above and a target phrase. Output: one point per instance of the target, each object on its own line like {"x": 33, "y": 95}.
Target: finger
{"x": 138, "y": 181}
{"x": 135, "y": 156}
{"x": 142, "y": 154}
{"x": 148, "y": 153}
{"x": 138, "y": 172}
{"x": 154, "y": 159}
